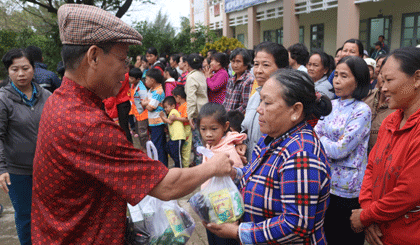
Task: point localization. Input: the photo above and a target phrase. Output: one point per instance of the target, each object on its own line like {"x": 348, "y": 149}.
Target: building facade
{"x": 319, "y": 24}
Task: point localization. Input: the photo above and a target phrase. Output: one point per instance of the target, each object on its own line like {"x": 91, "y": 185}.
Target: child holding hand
{"x": 181, "y": 100}
{"x": 176, "y": 130}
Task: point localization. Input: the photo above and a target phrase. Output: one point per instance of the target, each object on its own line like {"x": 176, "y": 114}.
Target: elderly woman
{"x": 390, "y": 194}
{"x": 320, "y": 66}
{"x": 21, "y": 106}
{"x": 269, "y": 57}
{"x": 345, "y": 134}
{"x": 286, "y": 185}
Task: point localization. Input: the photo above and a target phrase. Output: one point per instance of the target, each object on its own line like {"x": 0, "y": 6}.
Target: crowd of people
{"x": 323, "y": 149}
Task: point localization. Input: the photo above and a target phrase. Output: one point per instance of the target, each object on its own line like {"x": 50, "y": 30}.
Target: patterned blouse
{"x": 238, "y": 92}
{"x": 344, "y": 133}
{"x": 286, "y": 190}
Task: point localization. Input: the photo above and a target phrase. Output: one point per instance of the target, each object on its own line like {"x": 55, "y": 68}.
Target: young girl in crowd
{"x": 213, "y": 125}
{"x": 170, "y": 75}
{"x": 217, "y": 77}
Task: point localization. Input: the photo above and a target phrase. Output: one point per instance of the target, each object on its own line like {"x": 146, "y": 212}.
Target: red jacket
{"x": 122, "y": 96}
{"x": 390, "y": 191}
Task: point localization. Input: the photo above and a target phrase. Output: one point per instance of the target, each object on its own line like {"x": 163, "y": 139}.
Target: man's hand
{"x": 4, "y": 182}
{"x": 221, "y": 164}
{"x": 356, "y": 224}
{"x": 373, "y": 235}
{"x": 226, "y": 230}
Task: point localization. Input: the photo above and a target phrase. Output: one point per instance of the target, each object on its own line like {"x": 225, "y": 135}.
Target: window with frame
{"x": 302, "y": 34}
{"x": 410, "y": 30}
{"x": 317, "y": 37}
{"x": 241, "y": 38}
{"x": 275, "y": 36}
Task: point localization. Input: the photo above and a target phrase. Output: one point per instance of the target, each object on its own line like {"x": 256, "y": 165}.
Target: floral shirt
{"x": 344, "y": 134}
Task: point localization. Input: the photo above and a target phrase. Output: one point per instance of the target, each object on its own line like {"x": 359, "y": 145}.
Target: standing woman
{"x": 390, "y": 195}
{"x": 217, "y": 77}
{"x": 269, "y": 57}
{"x": 196, "y": 90}
{"x": 351, "y": 47}
{"x": 320, "y": 66}
{"x": 286, "y": 185}
{"x": 21, "y": 104}
{"x": 345, "y": 136}
{"x": 239, "y": 86}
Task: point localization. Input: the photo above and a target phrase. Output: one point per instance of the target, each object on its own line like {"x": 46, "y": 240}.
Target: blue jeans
{"x": 20, "y": 193}
{"x": 158, "y": 137}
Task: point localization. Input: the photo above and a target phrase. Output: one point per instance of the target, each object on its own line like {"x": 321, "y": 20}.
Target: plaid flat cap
{"x": 88, "y": 25}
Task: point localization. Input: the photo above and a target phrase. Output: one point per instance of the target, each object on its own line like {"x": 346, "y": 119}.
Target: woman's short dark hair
{"x": 172, "y": 72}
{"x": 195, "y": 61}
{"x": 338, "y": 50}
{"x": 247, "y": 59}
{"x": 16, "y": 54}
{"x": 326, "y": 60}
{"x": 152, "y": 50}
{"x": 360, "y": 71}
{"x": 381, "y": 56}
{"x": 222, "y": 58}
{"x": 358, "y": 43}
{"x": 280, "y": 54}
{"x": 217, "y": 111}
{"x": 299, "y": 87}
{"x": 143, "y": 58}
{"x": 409, "y": 59}
{"x": 155, "y": 74}
{"x": 299, "y": 52}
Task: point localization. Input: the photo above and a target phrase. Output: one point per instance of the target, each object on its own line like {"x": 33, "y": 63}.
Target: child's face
{"x": 151, "y": 58}
{"x": 132, "y": 80}
{"x": 212, "y": 131}
{"x": 178, "y": 99}
{"x": 167, "y": 107}
{"x": 150, "y": 82}
{"x": 144, "y": 64}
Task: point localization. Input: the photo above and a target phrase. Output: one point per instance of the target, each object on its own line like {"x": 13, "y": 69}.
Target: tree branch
{"x": 124, "y": 8}
{"x": 50, "y": 8}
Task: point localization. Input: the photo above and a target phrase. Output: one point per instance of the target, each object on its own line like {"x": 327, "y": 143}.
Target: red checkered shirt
{"x": 85, "y": 172}
{"x": 238, "y": 92}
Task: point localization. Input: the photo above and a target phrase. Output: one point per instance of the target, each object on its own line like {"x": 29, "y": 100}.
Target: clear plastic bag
{"x": 219, "y": 202}
{"x": 165, "y": 222}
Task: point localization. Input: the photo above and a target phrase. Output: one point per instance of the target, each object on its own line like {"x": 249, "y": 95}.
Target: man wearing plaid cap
{"x": 85, "y": 170}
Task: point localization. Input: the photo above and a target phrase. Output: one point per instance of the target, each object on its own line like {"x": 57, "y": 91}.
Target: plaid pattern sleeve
{"x": 286, "y": 190}
{"x": 238, "y": 92}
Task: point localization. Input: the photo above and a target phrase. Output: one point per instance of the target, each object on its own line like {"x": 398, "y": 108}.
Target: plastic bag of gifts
{"x": 160, "y": 222}
{"x": 219, "y": 201}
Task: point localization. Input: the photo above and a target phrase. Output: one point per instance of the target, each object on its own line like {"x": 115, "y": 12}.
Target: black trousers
{"x": 337, "y": 222}
{"x": 123, "y": 110}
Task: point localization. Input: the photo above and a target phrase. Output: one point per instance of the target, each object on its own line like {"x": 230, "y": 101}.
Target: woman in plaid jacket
{"x": 286, "y": 185}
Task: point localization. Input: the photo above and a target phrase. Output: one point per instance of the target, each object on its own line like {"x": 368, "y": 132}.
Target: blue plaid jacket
{"x": 286, "y": 190}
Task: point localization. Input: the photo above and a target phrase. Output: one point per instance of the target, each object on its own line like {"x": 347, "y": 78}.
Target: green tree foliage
{"x": 161, "y": 35}
{"x": 120, "y": 7}
{"x": 222, "y": 45}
